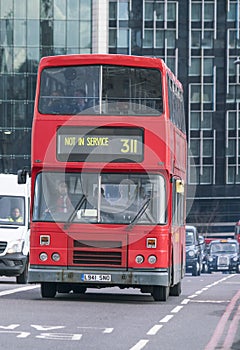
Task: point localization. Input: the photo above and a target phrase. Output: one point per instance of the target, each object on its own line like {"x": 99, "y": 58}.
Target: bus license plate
{"x": 96, "y": 278}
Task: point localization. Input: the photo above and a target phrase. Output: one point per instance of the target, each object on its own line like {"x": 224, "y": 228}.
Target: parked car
{"x": 193, "y": 251}
{"x": 222, "y": 255}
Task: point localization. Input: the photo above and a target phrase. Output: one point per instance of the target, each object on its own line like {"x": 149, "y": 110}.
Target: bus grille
{"x": 2, "y": 246}
{"x": 99, "y": 253}
{"x": 97, "y": 258}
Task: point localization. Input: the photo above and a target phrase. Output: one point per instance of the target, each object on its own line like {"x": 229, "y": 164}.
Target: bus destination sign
{"x": 99, "y": 144}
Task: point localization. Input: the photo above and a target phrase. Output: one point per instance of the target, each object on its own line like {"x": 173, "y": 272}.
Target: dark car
{"x": 222, "y": 255}
{"x": 193, "y": 251}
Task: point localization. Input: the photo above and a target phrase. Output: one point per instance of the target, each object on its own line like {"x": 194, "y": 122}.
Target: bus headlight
{"x": 55, "y": 257}
{"x": 139, "y": 259}
{"x": 210, "y": 259}
{"x": 235, "y": 258}
{"x": 43, "y": 256}
{"x": 152, "y": 259}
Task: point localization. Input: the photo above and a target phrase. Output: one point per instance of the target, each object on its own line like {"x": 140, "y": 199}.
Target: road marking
{"x": 17, "y": 290}
{"x": 11, "y": 326}
{"x": 23, "y": 335}
{"x": 154, "y": 329}
{"x": 108, "y": 330}
{"x": 199, "y": 292}
{"x": 192, "y": 296}
{"x": 232, "y": 330}
{"x": 166, "y": 318}
{"x": 105, "y": 330}
{"x": 140, "y": 345}
{"x": 59, "y": 336}
{"x": 222, "y": 324}
{"x": 211, "y": 301}
{"x": 46, "y": 328}
{"x": 185, "y": 301}
{"x": 177, "y": 309}
{"x": 18, "y": 334}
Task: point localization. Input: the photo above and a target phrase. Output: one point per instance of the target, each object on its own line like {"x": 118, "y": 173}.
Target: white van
{"x": 14, "y": 227}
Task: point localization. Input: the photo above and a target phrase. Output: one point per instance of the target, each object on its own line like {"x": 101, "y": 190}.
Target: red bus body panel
{"x": 108, "y": 248}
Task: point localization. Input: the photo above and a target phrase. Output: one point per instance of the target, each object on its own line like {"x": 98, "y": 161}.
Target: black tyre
{"x": 195, "y": 269}
{"x": 48, "y": 290}
{"x": 176, "y": 290}
{"x": 205, "y": 268}
{"x": 199, "y": 269}
{"x": 79, "y": 289}
{"x": 160, "y": 293}
{"x": 23, "y": 278}
{"x": 63, "y": 288}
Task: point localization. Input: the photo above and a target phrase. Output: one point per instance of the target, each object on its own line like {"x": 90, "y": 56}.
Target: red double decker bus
{"x": 108, "y": 173}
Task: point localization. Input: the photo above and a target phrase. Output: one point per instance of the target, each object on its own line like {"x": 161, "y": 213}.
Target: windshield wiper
{"x": 79, "y": 204}
{"x": 139, "y": 214}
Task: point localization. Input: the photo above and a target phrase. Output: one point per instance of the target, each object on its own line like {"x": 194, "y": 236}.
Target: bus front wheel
{"x": 160, "y": 293}
{"x": 48, "y": 290}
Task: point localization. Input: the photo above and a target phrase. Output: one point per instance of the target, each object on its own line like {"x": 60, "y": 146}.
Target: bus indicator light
{"x": 44, "y": 240}
{"x": 151, "y": 243}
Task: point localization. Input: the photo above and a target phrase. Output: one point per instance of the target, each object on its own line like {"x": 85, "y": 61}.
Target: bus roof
{"x": 110, "y": 59}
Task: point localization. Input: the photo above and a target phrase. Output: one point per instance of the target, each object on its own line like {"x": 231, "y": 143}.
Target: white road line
{"x": 211, "y": 301}
{"x": 140, "y": 345}
{"x": 166, "y": 318}
{"x": 154, "y": 329}
{"x": 185, "y": 301}
{"x": 177, "y": 309}
{"x": 108, "y": 330}
{"x": 192, "y": 296}
{"x": 17, "y": 290}
{"x": 104, "y": 330}
{"x": 198, "y": 292}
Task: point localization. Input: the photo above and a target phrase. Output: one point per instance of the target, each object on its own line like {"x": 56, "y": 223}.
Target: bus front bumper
{"x": 97, "y": 278}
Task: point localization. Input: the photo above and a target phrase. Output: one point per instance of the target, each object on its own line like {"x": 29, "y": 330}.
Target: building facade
{"x": 199, "y": 40}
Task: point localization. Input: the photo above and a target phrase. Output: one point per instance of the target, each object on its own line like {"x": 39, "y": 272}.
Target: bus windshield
{"x": 100, "y": 198}
{"x": 100, "y": 89}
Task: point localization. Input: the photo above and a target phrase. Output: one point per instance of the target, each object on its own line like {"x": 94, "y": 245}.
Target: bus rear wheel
{"x": 176, "y": 290}
{"x": 160, "y": 293}
{"x": 48, "y": 290}
{"x": 79, "y": 289}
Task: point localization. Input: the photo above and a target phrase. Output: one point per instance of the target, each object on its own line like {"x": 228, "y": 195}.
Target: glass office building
{"x": 199, "y": 40}
{"x": 30, "y": 29}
